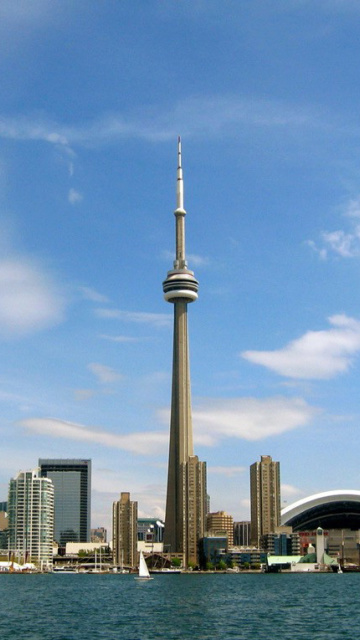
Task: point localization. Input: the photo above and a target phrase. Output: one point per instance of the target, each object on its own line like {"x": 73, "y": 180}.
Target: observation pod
{"x": 180, "y": 284}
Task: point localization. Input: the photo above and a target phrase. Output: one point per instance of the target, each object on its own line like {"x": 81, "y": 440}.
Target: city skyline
{"x": 265, "y": 97}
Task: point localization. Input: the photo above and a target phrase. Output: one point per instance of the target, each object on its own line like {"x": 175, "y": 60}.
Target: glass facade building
{"x": 72, "y": 488}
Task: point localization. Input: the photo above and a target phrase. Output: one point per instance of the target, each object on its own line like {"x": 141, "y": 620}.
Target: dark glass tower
{"x": 72, "y": 492}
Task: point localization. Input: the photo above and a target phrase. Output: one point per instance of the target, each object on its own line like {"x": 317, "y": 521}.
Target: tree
{"x": 176, "y": 562}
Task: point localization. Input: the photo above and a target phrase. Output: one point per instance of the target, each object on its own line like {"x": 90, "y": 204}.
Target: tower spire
{"x": 180, "y": 181}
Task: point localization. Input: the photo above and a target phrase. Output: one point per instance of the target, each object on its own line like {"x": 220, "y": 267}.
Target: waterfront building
{"x": 264, "y": 497}
{"x": 72, "y": 491}
{"x": 246, "y": 555}
{"x": 337, "y": 513}
{"x": 150, "y": 530}
{"x": 124, "y": 525}
{"x": 212, "y": 549}
{"x": 242, "y": 533}
{"x": 3, "y": 530}
{"x": 221, "y": 521}
{"x": 186, "y": 501}
{"x": 98, "y": 535}
{"x": 31, "y": 517}
{"x": 283, "y": 542}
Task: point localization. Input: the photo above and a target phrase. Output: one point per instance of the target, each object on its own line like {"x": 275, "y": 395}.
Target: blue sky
{"x": 265, "y": 95}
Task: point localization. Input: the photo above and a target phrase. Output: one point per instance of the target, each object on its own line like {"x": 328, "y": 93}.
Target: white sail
{"x": 143, "y": 570}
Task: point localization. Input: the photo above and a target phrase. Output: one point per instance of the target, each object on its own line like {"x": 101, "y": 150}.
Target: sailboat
{"x": 143, "y": 570}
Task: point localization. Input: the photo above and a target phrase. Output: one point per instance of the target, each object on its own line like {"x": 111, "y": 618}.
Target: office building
{"x": 186, "y": 488}
{"x": 31, "y": 518}
{"x": 221, "y": 521}
{"x": 150, "y": 530}
{"x": 212, "y": 549}
{"x": 242, "y": 536}
{"x": 265, "y": 498}
{"x": 282, "y": 542}
{"x": 72, "y": 490}
{"x": 124, "y": 525}
{"x": 98, "y": 535}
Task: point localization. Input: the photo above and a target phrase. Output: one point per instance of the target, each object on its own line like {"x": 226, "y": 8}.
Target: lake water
{"x": 180, "y": 607}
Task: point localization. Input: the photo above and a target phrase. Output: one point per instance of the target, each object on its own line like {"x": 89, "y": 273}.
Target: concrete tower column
{"x": 180, "y": 288}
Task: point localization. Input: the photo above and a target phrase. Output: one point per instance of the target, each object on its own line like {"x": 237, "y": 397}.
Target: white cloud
{"x": 248, "y": 418}
{"x": 144, "y": 443}
{"x": 346, "y": 245}
{"x": 317, "y": 354}
{"x": 91, "y": 294}
{"x": 28, "y": 128}
{"x": 321, "y": 251}
{"x": 227, "y": 471}
{"x": 103, "y": 373}
{"x": 192, "y": 258}
{"x": 155, "y": 319}
{"x": 196, "y": 260}
{"x": 291, "y": 492}
{"x": 74, "y": 196}
{"x": 209, "y": 115}
{"x": 343, "y": 243}
{"x": 29, "y": 298}
{"x": 353, "y": 208}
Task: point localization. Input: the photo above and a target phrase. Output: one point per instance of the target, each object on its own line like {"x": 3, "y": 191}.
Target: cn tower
{"x": 186, "y": 488}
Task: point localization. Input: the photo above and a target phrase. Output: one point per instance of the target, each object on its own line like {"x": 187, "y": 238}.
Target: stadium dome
{"x": 329, "y": 510}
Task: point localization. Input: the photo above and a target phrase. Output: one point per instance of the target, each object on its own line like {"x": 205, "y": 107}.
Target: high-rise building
{"x": 265, "y": 498}
{"x": 125, "y": 531}
{"x": 220, "y": 521}
{"x": 242, "y": 533}
{"x": 72, "y": 491}
{"x": 186, "y": 489}
{"x": 31, "y": 517}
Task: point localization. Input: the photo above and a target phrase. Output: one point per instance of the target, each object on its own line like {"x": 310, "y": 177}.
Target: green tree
{"x": 176, "y": 562}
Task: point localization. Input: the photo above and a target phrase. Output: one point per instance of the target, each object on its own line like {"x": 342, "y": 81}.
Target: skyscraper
{"x": 72, "y": 491}
{"x": 265, "y": 498}
{"x": 186, "y": 489}
{"x": 125, "y": 531}
{"x": 31, "y": 517}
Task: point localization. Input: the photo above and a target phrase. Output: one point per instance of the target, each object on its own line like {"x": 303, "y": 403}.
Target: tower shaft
{"x": 181, "y": 439}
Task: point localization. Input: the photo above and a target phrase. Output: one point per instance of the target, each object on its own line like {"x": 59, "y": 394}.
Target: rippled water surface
{"x": 180, "y": 607}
